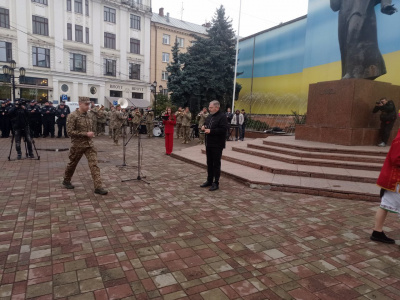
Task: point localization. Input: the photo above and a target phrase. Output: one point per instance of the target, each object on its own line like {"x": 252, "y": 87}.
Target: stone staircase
{"x": 285, "y": 164}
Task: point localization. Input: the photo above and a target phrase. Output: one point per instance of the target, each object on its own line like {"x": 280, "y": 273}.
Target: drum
{"x": 157, "y": 131}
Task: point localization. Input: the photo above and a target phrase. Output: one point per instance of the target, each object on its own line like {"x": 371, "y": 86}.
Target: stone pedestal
{"x": 340, "y": 112}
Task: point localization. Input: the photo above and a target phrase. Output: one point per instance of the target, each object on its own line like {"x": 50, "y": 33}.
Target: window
{"x": 40, "y": 25}
{"x": 165, "y": 92}
{"x": 69, "y": 5}
{"x": 109, "y": 14}
{"x": 165, "y": 57}
{"x": 78, "y": 6}
{"x": 109, "y": 40}
{"x": 135, "y": 22}
{"x": 135, "y": 46}
{"x": 5, "y": 51}
{"x": 137, "y": 95}
{"x": 40, "y": 1}
{"x": 4, "y": 18}
{"x": 87, "y": 35}
{"x": 164, "y": 75}
{"x": 110, "y": 67}
{"x": 134, "y": 71}
{"x": 41, "y": 57}
{"x": 78, "y": 33}
{"x": 87, "y": 7}
{"x": 69, "y": 31}
{"x": 165, "y": 39}
{"x": 77, "y": 62}
{"x": 181, "y": 42}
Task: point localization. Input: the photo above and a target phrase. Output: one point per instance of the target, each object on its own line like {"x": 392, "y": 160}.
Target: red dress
{"x": 169, "y": 133}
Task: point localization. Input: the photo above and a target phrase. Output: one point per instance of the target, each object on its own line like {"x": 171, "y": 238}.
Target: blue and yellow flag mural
{"x": 279, "y": 64}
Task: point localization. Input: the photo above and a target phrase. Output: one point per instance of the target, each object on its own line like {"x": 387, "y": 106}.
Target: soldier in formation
{"x": 179, "y": 116}
{"x": 186, "y": 120}
{"x": 149, "y": 116}
{"x": 117, "y": 120}
{"x": 201, "y": 117}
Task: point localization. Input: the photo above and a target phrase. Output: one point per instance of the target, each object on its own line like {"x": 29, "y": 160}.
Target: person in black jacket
{"x": 5, "y": 118}
{"x": 215, "y": 127}
{"x": 20, "y": 124}
{"x": 48, "y": 115}
{"x": 62, "y": 113}
{"x": 388, "y": 117}
{"x": 34, "y": 118}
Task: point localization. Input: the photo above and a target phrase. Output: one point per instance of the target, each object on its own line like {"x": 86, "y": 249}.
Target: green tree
{"x": 208, "y": 67}
{"x": 174, "y": 76}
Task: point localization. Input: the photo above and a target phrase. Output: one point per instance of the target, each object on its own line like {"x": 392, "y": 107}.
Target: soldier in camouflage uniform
{"x": 201, "y": 117}
{"x": 117, "y": 119}
{"x": 179, "y": 116}
{"x": 136, "y": 118}
{"x": 79, "y": 128}
{"x": 149, "y": 116}
{"x": 101, "y": 121}
{"x": 94, "y": 113}
{"x": 110, "y": 122}
{"x": 186, "y": 119}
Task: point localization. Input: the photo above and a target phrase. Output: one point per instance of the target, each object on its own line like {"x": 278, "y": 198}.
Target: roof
{"x": 156, "y": 18}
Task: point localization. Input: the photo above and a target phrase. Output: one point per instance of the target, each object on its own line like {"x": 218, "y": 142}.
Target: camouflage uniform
{"x": 186, "y": 119}
{"x": 179, "y": 116}
{"x": 201, "y": 117}
{"x": 78, "y": 125}
{"x": 137, "y": 117}
{"x": 94, "y": 113}
{"x": 101, "y": 122}
{"x": 149, "y": 123}
{"x": 117, "y": 118}
{"x": 110, "y": 123}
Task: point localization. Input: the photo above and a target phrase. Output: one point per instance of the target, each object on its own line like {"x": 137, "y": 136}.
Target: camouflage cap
{"x": 84, "y": 100}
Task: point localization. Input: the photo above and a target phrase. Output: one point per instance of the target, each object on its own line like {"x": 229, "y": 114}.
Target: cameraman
{"x": 388, "y": 117}
{"x": 20, "y": 124}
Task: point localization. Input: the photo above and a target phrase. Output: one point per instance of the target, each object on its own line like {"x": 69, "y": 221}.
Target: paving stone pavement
{"x": 171, "y": 239}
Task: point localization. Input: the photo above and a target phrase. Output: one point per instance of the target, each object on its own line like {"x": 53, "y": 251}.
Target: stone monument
{"x": 339, "y": 112}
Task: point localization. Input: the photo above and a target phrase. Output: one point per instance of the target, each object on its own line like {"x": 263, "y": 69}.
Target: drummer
{"x": 238, "y": 120}
{"x": 201, "y": 117}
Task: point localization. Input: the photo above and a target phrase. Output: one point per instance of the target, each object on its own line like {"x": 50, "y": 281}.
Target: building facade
{"x": 71, "y": 48}
{"x": 165, "y": 30}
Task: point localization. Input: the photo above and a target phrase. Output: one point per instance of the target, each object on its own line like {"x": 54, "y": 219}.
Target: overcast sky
{"x": 257, "y": 15}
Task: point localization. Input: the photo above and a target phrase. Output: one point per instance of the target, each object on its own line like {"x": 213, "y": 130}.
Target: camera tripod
{"x": 25, "y": 143}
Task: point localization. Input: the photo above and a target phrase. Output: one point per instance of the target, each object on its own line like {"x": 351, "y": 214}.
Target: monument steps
{"x": 282, "y": 168}
{"x": 292, "y": 159}
{"x": 267, "y": 173}
{"x": 326, "y": 148}
{"x": 317, "y": 155}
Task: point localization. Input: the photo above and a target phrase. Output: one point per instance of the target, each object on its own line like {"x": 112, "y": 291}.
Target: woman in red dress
{"x": 169, "y": 121}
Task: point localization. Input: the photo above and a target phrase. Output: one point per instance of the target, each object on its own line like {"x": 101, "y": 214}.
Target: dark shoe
{"x": 59, "y": 137}
{"x": 214, "y": 187}
{"x": 101, "y": 191}
{"x": 66, "y": 136}
{"x": 206, "y": 184}
{"x": 19, "y": 156}
{"x": 31, "y": 155}
{"x": 68, "y": 185}
{"x": 381, "y": 237}
{"x": 52, "y": 136}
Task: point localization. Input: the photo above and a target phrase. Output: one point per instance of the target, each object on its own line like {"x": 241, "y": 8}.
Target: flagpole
{"x": 236, "y": 60}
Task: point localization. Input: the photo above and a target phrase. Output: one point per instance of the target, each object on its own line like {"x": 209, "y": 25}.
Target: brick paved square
{"x": 171, "y": 239}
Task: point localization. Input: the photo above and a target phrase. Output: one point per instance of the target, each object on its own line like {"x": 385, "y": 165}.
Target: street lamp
{"x": 153, "y": 88}
{"x": 9, "y": 72}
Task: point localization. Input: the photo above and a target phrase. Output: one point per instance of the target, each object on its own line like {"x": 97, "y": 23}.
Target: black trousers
{"x": 386, "y": 128}
{"x": 34, "y": 125}
{"x": 62, "y": 124}
{"x": 18, "y": 133}
{"x": 5, "y": 127}
{"x": 213, "y": 164}
{"x": 48, "y": 127}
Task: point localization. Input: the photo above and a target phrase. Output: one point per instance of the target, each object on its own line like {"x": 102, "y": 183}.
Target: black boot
{"x": 381, "y": 237}
{"x": 206, "y": 184}
{"x": 214, "y": 187}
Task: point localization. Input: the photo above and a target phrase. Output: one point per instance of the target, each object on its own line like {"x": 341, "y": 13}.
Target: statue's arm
{"x": 387, "y": 7}
{"x": 335, "y": 4}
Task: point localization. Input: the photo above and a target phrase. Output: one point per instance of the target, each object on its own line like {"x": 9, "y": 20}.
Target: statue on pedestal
{"x": 358, "y": 38}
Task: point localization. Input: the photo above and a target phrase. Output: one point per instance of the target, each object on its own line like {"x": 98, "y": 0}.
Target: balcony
{"x": 134, "y": 4}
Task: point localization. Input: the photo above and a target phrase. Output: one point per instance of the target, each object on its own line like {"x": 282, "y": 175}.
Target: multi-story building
{"x": 164, "y": 32}
{"x": 71, "y": 48}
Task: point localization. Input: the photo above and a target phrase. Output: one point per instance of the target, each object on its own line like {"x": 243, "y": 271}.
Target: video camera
{"x": 20, "y": 102}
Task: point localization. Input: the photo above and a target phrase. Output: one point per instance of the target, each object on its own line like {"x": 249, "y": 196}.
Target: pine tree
{"x": 174, "y": 76}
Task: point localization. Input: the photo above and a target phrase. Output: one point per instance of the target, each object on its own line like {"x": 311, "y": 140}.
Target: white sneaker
{"x": 382, "y": 144}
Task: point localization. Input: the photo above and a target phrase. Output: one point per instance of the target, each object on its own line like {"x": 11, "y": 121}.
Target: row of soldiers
{"x": 183, "y": 124}
{"x": 41, "y": 119}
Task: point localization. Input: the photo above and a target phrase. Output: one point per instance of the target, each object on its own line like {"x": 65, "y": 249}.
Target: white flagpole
{"x": 236, "y": 60}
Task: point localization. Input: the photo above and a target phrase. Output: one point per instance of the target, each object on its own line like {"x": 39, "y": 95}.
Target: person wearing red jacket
{"x": 389, "y": 182}
{"x": 169, "y": 121}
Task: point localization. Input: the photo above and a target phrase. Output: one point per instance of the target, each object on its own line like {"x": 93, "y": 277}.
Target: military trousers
{"x": 178, "y": 130}
{"x": 186, "y": 133}
{"x": 75, "y": 155}
{"x": 116, "y": 133}
{"x": 149, "y": 128}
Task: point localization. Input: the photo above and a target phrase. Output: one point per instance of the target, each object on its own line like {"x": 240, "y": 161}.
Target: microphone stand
{"x": 139, "y": 177}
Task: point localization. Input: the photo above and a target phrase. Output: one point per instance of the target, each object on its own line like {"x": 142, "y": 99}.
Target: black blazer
{"x": 218, "y": 126}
